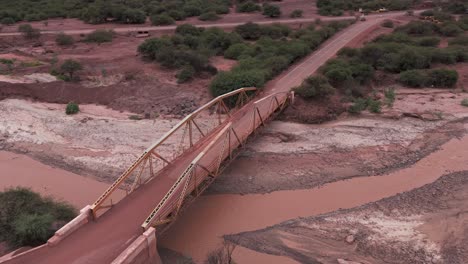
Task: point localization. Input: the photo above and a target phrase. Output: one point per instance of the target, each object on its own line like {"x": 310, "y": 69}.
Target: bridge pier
{"x": 143, "y": 250}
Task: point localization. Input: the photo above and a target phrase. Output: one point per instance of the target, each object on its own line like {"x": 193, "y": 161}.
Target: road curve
{"x": 103, "y": 240}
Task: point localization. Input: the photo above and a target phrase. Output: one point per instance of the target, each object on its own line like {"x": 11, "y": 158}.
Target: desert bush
{"x": 443, "y": 77}
{"x": 72, "y": 108}
{"x": 387, "y": 24}
{"x": 464, "y": 102}
{"x": 374, "y": 106}
{"x": 162, "y": 19}
{"x": 237, "y": 50}
{"x": 176, "y": 14}
{"x": 100, "y": 36}
{"x": 359, "y": 105}
{"x": 225, "y": 82}
{"x": 249, "y": 31}
{"x": 63, "y": 39}
{"x": 188, "y": 29}
{"x": 272, "y": 11}
{"x": 414, "y": 78}
{"x": 314, "y": 87}
{"x": 27, "y": 219}
{"x": 429, "y": 41}
{"x": 451, "y": 30}
{"x": 248, "y": 7}
{"x": 132, "y": 16}
{"x": 185, "y": 74}
{"x": 7, "y": 21}
{"x": 29, "y": 32}
{"x": 209, "y": 16}
{"x": 460, "y": 40}
{"x": 296, "y": 13}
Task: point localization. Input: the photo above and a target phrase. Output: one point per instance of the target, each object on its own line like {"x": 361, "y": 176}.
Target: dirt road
{"x": 101, "y": 241}
{"x": 220, "y": 25}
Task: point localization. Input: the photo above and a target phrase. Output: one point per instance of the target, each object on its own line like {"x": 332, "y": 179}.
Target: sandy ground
{"x": 425, "y": 225}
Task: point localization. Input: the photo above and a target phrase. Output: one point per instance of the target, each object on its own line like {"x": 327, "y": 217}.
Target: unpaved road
{"x": 220, "y": 25}
{"x": 122, "y": 224}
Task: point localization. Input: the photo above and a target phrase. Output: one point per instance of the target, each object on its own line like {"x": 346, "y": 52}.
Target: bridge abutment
{"x": 143, "y": 250}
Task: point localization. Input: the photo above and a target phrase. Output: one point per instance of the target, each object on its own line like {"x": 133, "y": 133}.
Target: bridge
{"x": 174, "y": 171}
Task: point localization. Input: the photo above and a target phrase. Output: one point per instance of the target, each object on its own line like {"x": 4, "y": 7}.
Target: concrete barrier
{"x": 82, "y": 219}
{"x": 142, "y": 250}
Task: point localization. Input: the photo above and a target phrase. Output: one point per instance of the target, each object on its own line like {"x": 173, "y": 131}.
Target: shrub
{"x": 296, "y": 13}
{"x": 359, "y": 105}
{"x": 451, "y": 30}
{"x": 248, "y": 7}
{"x": 188, "y": 29}
{"x": 72, "y": 108}
{"x": 176, "y": 15}
{"x": 225, "y": 82}
{"x": 209, "y": 16}
{"x": 414, "y": 78}
{"x": 29, "y": 32}
{"x": 249, "y": 31}
{"x": 460, "y": 40}
{"x": 7, "y": 21}
{"x": 464, "y": 102}
{"x": 429, "y": 41}
{"x": 272, "y": 11}
{"x": 132, "y": 16}
{"x": 33, "y": 229}
{"x": 186, "y": 74}
{"x": 314, "y": 87}
{"x": 237, "y": 50}
{"x": 27, "y": 219}
{"x": 71, "y": 67}
{"x": 387, "y": 24}
{"x": 374, "y": 106}
{"x": 389, "y": 96}
{"x": 162, "y": 19}
{"x": 443, "y": 77}
{"x": 100, "y": 36}
{"x": 64, "y": 40}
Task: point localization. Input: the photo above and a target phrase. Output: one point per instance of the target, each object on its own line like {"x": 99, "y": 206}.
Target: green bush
{"x": 29, "y": 32}
{"x": 64, "y": 40}
{"x": 72, "y": 108}
{"x": 429, "y": 41}
{"x": 100, "y": 36}
{"x": 186, "y": 74}
{"x": 296, "y": 13}
{"x": 7, "y": 21}
{"x": 176, "y": 14}
{"x": 27, "y": 219}
{"x": 359, "y": 105}
{"x": 249, "y": 31}
{"x": 237, "y": 50}
{"x": 225, "y": 82}
{"x": 272, "y": 11}
{"x": 162, "y": 19}
{"x": 451, "y": 30}
{"x": 248, "y": 7}
{"x": 314, "y": 87}
{"x": 464, "y": 102}
{"x": 414, "y": 78}
{"x": 387, "y": 24}
{"x": 374, "y": 106}
{"x": 209, "y": 16}
{"x": 188, "y": 29}
{"x": 460, "y": 40}
{"x": 443, "y": 77}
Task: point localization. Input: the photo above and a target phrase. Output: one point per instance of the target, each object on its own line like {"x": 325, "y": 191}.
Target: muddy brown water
{"x": 200, "y": 229}
{"x": 20, "y": 170}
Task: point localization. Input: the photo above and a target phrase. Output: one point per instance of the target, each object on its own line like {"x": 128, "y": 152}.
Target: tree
{"x": 250, "y": 31}
{"x": 248, "y": 7}
{"x": 71, "y": 66}
{"x": 209, "y": 16}
{"x": 272, "y": 11}
{"x": 225, "y": 82}
{"x": 414, "y": 78}
{"x": 443, "y": 77}
{"x": 33, "y": 229}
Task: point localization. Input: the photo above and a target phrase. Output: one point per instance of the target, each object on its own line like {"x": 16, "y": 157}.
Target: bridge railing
{"x": 187, "y": 133}
{"x": 215, "y": 156}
